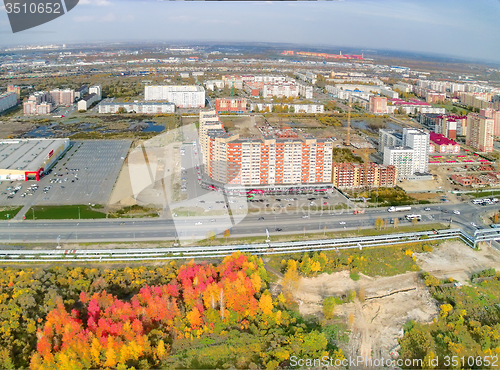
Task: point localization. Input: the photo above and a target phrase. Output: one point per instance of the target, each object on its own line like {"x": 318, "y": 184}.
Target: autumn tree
{"x": 379, "y": 223}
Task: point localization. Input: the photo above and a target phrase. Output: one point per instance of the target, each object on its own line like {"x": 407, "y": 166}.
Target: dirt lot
{"x": 12, "y": 129}
{"x": 392, "y": 301}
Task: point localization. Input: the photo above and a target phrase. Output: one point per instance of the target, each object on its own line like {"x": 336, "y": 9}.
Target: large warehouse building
{"x": 24, "y": 159}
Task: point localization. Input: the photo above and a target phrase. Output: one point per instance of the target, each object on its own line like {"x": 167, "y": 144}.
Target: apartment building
{"x": 480, "y": 132}
{"x": 278, "y": 156}
{"x": 7, "y": 100}
{"x": 63, "y": 97}
{"x": 377, "y": 104}
{"x": 400, "y": 157}
{"x": 389, "y": 138}
{"x": 235, "y": 105}
{"x": 188, "y": 96}
{"x": 139, "y": 107}
{"x": 305, "y": 91}
{"x": 280, "y": 90}
{"x": 293, "y": 108}
{"x": 419, "y": 142}
{"x": 355, "y": 175}
{"x": 495, "y": 115}
{"x": 14, "y": 89}
{"x": 441, "y": 144}
{"x": 39, "y": 102}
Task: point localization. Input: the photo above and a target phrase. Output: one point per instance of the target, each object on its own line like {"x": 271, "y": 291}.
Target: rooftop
{"x": 27, "y": 154}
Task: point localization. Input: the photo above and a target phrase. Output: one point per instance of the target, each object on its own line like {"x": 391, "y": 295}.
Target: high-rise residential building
{"x": 419, "y": 141}
{"x": 63, "y": 97}
{"x": 233, "y": 105}
{"x": 400, "y": 157}
{"x": 480, "y": 132}
{"x": 355, "y": 175}
{"x": 378, "y": 105}
{"x": 39, "y": 102}
{"x": 183, "y": 96}
{"x": 495, "y": 115}
{"x": 7, "y": 100}
{"x": 389, "y": 138}
{"x": 15, "y": 89}
{"x": 283, "y": 156}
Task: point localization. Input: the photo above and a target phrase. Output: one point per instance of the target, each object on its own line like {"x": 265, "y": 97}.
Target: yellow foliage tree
{"x": 445, "y": 309}
{"x": 266, "y": 303}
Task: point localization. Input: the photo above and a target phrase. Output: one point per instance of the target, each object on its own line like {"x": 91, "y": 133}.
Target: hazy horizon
{"x": 455, "y": 29}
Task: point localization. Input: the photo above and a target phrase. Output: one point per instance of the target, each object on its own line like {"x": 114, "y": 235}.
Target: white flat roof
{"x": 27, "y": 154}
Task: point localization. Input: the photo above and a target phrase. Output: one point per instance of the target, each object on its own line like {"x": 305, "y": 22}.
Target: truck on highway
{"x": 399, "y": 209}
{"x": 359, "y": 211}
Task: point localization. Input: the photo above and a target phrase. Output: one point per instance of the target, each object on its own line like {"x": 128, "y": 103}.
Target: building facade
{"x": 283, "y": 156}
{"x": 139, "y": 107}
{"x": 235, "y": 105}
{"x": 400, "y": 157}
{"x": 63, "y": 97}
{"x": 183, "y": 96}
{"x": 7, "y": 100}
{"x": 378, "y": 105}
{"x": 355, "y": 175}
{"x": 480, "y": 132}
{"x": 419, "y": 142}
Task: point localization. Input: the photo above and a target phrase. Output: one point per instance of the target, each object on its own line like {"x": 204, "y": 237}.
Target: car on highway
{"x": 199, "y": 223}
{"x": 456, "y": 212}
{"x": 473, "y": 224}
{"x": 305, "y": 216}
{"x": 212, "y": 220}
{"x": 279, "y": 229}
{"x": 427, "y": 209}
{"x": 341, "y": 222}
{"x": 261, "y": 218}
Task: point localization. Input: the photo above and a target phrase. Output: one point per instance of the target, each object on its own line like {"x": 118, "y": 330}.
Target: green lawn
{"x": 11, "y": 211}
{"x": 63, "y": 212}
{"x": 485, "y": 193}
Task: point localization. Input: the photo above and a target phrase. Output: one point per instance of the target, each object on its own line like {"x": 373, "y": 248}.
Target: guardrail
{"x": 148, "y": 254}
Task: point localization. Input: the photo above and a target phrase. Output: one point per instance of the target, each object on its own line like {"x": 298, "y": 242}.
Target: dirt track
{"x": 392, "y": 301}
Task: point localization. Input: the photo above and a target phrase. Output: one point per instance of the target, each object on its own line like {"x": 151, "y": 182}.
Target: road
{"x": 120, "y": 230}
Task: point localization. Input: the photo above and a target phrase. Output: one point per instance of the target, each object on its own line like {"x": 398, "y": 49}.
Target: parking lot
{"x": 86, "y": 174}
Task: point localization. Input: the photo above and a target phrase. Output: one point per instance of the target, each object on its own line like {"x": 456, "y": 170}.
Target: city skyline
{"x": 459, "y": 29}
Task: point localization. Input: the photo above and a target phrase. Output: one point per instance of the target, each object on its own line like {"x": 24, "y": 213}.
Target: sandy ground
{"x": 454, "y": 259}
{"x": 12, "y": 128}
{"x": 392, "y": 301}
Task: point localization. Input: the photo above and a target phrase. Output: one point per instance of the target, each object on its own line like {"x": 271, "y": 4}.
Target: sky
{"x": 467, "y": 29}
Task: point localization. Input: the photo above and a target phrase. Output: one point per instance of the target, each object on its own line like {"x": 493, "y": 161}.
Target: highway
{"x": 185, "y": 229}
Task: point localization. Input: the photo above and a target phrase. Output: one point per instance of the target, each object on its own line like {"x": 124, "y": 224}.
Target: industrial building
{"x": 22, "y": 159}
{"x": 189, "y": 96}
